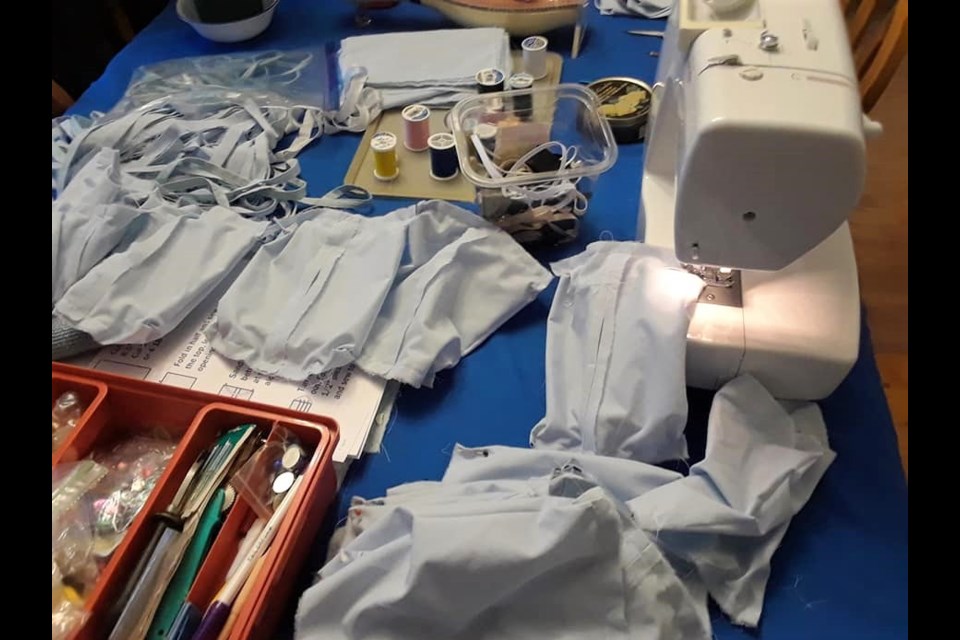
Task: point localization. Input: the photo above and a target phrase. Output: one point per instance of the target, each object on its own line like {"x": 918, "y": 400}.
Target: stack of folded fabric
{"x": 437, "y": 68}
{"x": 639, "y": 8}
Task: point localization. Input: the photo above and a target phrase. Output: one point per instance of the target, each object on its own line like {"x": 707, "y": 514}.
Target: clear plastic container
{"x": 538, "y": 200}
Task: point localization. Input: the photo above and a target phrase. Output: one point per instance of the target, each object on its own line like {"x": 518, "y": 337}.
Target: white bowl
{"x": 228, "y": 31}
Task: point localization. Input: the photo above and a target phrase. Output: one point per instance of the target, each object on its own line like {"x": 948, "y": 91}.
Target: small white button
{"x": 751, "y": 73}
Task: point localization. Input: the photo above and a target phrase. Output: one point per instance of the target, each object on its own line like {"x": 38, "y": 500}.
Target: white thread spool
{"x": 535, "y": 56}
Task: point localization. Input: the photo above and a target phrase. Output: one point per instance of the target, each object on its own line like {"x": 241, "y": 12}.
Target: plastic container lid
{"x": 570, "y": 112}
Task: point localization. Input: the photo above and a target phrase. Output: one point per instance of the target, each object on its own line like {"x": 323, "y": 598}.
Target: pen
{"x": 241, "y": 598}
{"x": 252, "y": 534}
{"x": 219, "y": 610}
{"x": 644, "y": 32}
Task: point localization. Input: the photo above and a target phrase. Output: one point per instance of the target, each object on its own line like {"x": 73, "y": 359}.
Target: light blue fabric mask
{"x": 308, "y": 299}
{"x": 142, "y": 292}
{"x": 623, "y": 479}
{"x": 450, "y": 561}
{"x": 460, "y": 279}
{"x": 90, "y": 220}
{"x": 728, "y": 517}
{"x": 616, "y": 345}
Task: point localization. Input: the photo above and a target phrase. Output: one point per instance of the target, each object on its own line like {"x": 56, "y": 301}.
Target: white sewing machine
{"x": 755, "y": 159}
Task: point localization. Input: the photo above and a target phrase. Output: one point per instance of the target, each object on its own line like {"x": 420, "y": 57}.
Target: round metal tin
{"x": 625, "y": 104}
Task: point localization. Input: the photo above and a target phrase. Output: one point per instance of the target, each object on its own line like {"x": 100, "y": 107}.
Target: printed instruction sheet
{"x": 184, "y": 358}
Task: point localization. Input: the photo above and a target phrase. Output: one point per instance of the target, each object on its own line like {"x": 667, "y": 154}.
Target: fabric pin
{"x": 416, "y": 127}
{"x": 443, "y": 157}
{"x": 385, "y": 162}
{"x": 535, "y": 56}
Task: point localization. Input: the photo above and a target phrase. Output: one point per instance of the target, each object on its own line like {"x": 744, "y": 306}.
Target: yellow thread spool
{"x": 386, "y": 166}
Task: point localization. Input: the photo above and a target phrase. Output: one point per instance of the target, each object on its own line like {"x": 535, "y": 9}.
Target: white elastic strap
{"x": 345, "y": 196}
{"x": 563, "y": 188}
{"x": 355, "y": 113}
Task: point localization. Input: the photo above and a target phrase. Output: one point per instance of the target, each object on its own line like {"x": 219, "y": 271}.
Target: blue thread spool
{"x": 490, "y": 80}
{"x": 443, "y": 157}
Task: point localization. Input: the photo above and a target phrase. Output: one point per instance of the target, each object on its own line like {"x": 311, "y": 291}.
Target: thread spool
{"x": 522, "y": 103}
{"x": 490, "y": 80}
{"x": 386, "y": 166}
{"x": 488, "y": 136}
{"x": 416, "y": 127}
{"x": 443, "y": 157}
{"x": 535, "y": 56}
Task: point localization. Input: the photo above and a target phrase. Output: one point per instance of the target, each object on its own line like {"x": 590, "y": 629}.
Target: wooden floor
{"x": 879, "y": 228}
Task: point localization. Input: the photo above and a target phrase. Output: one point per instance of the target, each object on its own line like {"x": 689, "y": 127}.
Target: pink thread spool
{"x": 416, "y": 127}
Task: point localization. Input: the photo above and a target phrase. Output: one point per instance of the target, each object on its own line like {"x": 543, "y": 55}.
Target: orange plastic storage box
{"x": 118, "y": 407}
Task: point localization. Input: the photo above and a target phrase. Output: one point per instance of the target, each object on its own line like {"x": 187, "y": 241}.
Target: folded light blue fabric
{"x": 457, "y": 562}
{"x": 90, "y": 220}
{"x": 460, "y": 279}
{"x": 432, "y": 67}
{"x": 616, "y": 349}
{"x": 500, "y": 541}
{"x": 623, "y": 479}
{"x": 728, "y": 516}
{"x": 308, "y": 299}
{"x": 144, "y": 291}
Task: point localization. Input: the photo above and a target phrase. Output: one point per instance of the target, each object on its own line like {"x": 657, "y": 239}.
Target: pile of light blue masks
{"x": 580, "y": 536}
{"x": 158, "y": 201}
{"x": 539, "y": 544}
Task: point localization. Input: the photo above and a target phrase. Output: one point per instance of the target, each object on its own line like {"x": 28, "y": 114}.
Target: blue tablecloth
{"x": 842, "y": 569}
